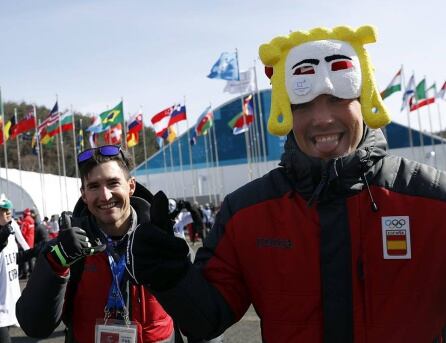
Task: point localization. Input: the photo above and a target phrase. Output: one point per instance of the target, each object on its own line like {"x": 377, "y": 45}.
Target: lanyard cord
{"x": 115, "y": 298}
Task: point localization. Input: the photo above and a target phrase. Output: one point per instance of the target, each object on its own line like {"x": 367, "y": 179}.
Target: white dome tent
{"x": 48, "y": 194}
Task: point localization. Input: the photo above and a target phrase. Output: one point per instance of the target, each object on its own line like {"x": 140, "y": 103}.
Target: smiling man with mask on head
{"x": 334, "y": 245}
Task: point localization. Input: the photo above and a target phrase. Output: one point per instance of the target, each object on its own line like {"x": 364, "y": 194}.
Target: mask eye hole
{"x": 341, "y": 65}
{"x": 304, "y": 70}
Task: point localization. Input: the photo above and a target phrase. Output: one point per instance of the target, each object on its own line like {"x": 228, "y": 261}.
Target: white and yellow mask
{"x": 305, "y": 65}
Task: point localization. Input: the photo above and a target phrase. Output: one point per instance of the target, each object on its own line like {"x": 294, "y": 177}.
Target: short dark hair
{"x": 123, "y": 159}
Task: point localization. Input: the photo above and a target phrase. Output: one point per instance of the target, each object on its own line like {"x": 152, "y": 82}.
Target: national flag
{"x": 240, "y": 123}
{"x": 35, "y": 144}
{"x": 1, "y": 130}
{"x": 420, "y": 90}
{"x": 45, "y": 137}
{"x": 423, "y": 96}
{"x": 441, "y": 92}
{"x": 178, "y": 114}
{"x": 65, "y": 123}
{"x": 113, "y": 134}
{"x": 409, "y": 91}
{"x": 26, "y": 124}
{"x": 394, "y": 86}
{"x": 112, "y": 117}
{"x": 244, "y": 85}
{"x": 135, "y": 125}
{"x": 396, "y": 242}
{"x": 93, "y": 139}
{"x": 226, "y": 68}
{"x": 96, "y": 125}
{"x": 80, "y": 141}
{"x": 204, "y": 122}
{"x": 171, "y": 134}
{"x": 132, "y": 138}
{"x": 193, "y": 138}
{"x": 160, "y": 121}
{"x": 52, "y": 118}
{"x": 7, "y": 128}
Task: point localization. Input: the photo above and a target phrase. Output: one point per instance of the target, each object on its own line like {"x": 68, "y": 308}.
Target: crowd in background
{"x": 35, "y": 231}
{"x": 192, "y": 219}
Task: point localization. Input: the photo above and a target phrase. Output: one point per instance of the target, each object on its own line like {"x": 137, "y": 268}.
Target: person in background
{"x": 9, "y": 271}
{"x": 27, "y": 227}
{"x": 54, "y": 226}
{"x": 81, "y": 277}
{"x": 342, "y": 242}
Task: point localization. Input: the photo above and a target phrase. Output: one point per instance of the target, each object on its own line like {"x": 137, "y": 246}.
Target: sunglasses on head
{"x": 105, "y": 150}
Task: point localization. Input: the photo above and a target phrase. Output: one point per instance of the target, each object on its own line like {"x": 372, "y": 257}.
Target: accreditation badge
{"x": 115, "y": 331}
{"x": 396, "y": 238}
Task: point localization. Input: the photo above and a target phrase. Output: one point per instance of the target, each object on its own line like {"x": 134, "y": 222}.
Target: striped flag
{"x": 393, "y": 87}
{"x": 441, "y": 92}
{"x": 53, "y": 117}
{"x": 160, "y": 121}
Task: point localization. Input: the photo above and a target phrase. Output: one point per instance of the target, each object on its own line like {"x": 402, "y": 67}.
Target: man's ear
{"x": 132, "y": 185}
{"x": 83, "y": 195}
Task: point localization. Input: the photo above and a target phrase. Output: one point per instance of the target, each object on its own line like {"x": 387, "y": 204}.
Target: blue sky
{"x": 154, "y": 53}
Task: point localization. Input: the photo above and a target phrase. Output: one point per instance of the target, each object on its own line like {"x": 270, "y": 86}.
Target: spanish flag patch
{"x": 396, "y": 237}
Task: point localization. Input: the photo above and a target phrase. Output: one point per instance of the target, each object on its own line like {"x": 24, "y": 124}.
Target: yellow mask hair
{"x": 274, "y": 55}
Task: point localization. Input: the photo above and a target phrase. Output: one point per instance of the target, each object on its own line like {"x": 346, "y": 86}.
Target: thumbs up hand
{"x": 72, "y": 243}
{"x": 155, "y": 257}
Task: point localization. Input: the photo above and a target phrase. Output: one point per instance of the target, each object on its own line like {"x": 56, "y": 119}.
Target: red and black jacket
{"x": 311, "y": 246}
{"x": 79, "y": 299}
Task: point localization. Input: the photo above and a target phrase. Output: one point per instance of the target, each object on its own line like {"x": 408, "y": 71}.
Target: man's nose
{"x": 323, "y": 112}
{"x": 105, "y": 193}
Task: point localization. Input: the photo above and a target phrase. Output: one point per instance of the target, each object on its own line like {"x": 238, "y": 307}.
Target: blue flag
{"x": 226, "y": 68}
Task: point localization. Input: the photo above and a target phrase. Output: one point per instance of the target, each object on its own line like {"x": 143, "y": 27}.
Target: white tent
{"x": 47, "y": 193}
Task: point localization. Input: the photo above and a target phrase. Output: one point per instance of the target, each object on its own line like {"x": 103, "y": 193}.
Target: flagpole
{"x": 434, "y": 150}
{"x": 81, "y": 147}
{"x": 5, "y": 150}
{"x": 145, "y": 149}
{"x": 42, "y": 168}
{"x": 191, "y": 163}
{"x": 255, "y": 138}
{"x": 213, "y": 139}
{"x": 124, "y": 128}
{"x": 259, "y": 101}
{"x": 441, "y": 127}
{"x": 172, "y": 170}
{"x": 180, "y": 155}
{"x": 165, "y": 164}
{"x": 248, "y": 153}
{"x": 133, "y": 154}
{"x": 74, "y": 142}
{"x": 219, "y": 174}
{"x": 213, "y": 170}
{"x": 207, "y": 168}
{"x": 19, "y": 161}
{"x": 407, "y": 113}
{"x": 63, "y": 162}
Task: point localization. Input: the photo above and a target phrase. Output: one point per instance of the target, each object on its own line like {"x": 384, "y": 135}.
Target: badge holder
{"x": 115, "y": 331}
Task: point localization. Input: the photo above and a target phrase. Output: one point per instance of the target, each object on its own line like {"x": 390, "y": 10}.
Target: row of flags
{"x": 415, "y": 95}
{"x": 110, "y": 122}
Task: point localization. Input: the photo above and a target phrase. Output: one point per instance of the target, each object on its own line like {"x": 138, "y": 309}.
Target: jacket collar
{"x": 319, "y": 180}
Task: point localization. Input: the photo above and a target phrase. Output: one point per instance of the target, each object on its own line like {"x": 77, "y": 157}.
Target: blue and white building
{"x": 220, "y": 162}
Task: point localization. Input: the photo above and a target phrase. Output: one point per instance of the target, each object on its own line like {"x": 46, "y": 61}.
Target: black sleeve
{"x": 196, "y": 306}
{"x": 39, "y": 309}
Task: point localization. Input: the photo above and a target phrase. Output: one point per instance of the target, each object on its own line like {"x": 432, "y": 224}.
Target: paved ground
{"x": 247, "y": 330}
